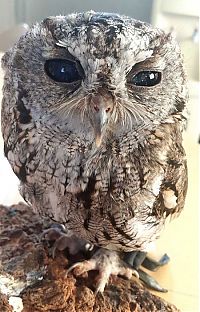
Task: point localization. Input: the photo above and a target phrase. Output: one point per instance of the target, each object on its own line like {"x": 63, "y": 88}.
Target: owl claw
{"x": 139, "y": 258}
{"x": 107, "y": 263}
{"x": 63, "y": 240}
{"x": 82, "y": 267}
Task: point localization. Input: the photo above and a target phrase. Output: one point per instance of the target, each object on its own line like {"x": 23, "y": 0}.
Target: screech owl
{"x": 92, "y": 118}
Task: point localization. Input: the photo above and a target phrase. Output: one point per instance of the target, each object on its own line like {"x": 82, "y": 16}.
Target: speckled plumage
{"x": 118, "y": 194}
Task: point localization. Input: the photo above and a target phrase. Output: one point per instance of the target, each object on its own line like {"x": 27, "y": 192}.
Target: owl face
{"x": 97, "y": 74}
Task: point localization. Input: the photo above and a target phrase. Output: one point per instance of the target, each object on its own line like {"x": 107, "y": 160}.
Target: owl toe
{"x": 107, "y": 263}
{"x": 65, "y": 240}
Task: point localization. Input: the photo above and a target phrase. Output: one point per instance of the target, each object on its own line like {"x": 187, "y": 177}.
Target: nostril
{"x": 108, "y": 109}
{"x": 96, "y": 108}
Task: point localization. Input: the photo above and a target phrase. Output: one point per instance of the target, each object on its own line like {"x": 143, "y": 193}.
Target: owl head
{"x": 95, "y": 74}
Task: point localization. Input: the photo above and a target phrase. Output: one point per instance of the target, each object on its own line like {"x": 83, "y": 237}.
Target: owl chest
{"x": 69, "y": 168}
{"x": 97, "y": 176}
{"x": 85, "y": 176}
{"x": 92, "y": 190}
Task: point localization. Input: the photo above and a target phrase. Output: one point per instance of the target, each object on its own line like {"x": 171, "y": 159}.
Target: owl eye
{"x": 146, "y": 78}
{"x": 62, "y": 70}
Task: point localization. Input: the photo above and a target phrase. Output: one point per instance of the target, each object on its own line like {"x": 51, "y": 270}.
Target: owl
{"x": 94, "y": 105}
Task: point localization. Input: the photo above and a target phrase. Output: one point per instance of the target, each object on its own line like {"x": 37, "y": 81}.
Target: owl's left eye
{"x": 146, "y": 78}
{"x": 62, "y": 70}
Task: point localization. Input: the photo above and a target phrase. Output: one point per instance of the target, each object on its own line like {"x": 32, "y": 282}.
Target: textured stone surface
{"x": 27, "y": 271}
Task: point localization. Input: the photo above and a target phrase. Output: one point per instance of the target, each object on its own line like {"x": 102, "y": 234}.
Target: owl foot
{"x": 154, "y": 265}
{"x": 139, "y": 258}
{"x": 107, "y": 263}
{"x": 65, "y": 240}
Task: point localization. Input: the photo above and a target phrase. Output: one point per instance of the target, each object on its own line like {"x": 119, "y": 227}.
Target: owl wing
{"x": 173, "y": 188}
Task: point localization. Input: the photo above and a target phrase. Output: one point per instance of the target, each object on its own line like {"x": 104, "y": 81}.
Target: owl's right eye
{"x": 62, "y": 70}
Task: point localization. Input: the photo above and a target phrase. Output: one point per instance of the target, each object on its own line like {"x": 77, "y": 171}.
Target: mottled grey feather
{"x": 116, "y": 195}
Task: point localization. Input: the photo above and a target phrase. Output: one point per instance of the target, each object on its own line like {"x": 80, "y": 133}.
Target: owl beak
{"x": 101, "y": 107}
{"x": 101, "y": 119}
{"x": 102, "y": 111}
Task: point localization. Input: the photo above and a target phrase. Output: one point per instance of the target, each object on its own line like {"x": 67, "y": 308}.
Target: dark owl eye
{"x": 62, "y": 70}
{"x": 146, "y": 78}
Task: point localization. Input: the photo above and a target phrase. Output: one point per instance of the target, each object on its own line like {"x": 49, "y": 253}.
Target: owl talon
{"x": 81, "y": 267}
{"x": 140, "y": 258}
{"x": 107, "y": 263}
{"x": 154, "y": 265}
{"x": 63, "y": 240}
{"x": 150, "y": 282}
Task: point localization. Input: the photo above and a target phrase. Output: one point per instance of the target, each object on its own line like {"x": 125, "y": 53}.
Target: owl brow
{"x": 163, "y": 40}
